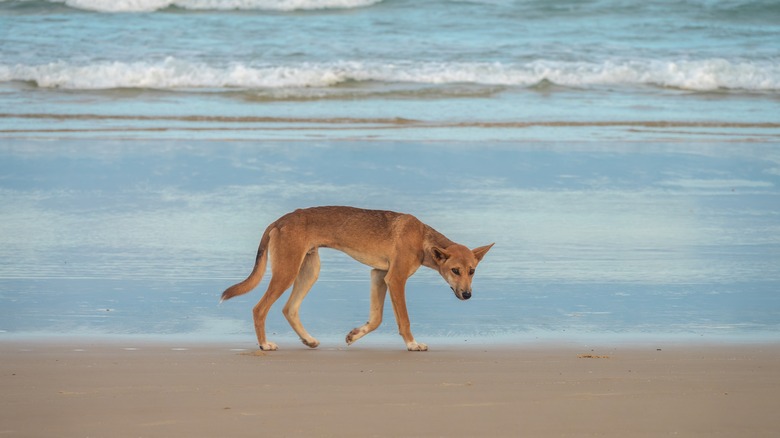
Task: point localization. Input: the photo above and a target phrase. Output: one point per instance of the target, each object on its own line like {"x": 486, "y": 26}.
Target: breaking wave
{"x": 156, "y": 5}
{"x": 177, "y": 74}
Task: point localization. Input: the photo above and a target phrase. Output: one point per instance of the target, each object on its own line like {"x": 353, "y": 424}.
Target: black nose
{"x": 466, "y": 295}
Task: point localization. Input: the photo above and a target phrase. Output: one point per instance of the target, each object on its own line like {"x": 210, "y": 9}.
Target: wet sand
{"x": 128, "y": 389}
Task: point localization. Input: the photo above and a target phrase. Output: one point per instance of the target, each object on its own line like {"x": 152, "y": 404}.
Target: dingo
{"x": 394, "y": 244}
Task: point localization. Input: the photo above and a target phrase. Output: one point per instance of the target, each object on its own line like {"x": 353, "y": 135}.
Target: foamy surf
{"x": 269, "y": 5}
{"x": 172, "y": 73}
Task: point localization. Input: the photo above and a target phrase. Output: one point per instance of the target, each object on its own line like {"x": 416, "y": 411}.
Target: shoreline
{"x": 391, "y": 341}
{"x": 153, "y": 389}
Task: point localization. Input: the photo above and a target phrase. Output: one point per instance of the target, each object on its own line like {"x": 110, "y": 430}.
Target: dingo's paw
{"x": 311, "y": 343}
{"x": 269, "y": 346}
{"x": 354, "y": 335}
{"x": 414, "y": 346}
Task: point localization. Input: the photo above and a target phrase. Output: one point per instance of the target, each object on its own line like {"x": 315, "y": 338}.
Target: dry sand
{"x": 123, "y": 389}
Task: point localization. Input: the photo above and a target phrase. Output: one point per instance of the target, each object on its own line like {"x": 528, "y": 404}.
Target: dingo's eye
{"x": 471, "y": 271}
{"x": 456, "y": 271}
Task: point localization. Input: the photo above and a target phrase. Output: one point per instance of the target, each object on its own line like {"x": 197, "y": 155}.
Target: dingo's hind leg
{"x": 307, "y": 275}
{"x": 378, "y": 293}
{"x": 277, "y": 286}
{"x": 285, "y": 263}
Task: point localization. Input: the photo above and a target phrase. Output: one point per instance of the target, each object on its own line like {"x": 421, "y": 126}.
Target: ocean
{"x": 624, "y": 156}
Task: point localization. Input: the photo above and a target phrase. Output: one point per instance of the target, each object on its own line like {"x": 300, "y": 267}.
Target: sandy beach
{"x": 127, "y": 389}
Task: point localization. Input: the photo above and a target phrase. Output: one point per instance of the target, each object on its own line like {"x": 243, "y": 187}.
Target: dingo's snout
{"x": 462, "y": 294}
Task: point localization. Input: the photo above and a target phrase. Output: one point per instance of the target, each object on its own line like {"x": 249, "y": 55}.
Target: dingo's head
{"x": 457, "y": 264}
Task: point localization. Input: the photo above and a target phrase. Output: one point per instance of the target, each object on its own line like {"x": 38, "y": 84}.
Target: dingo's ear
{"x": 439, "y": 255}
{"x": 481, "y": 251}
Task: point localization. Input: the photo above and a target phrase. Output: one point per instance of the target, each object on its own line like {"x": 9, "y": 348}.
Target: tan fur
{"x": 395, "y": 245}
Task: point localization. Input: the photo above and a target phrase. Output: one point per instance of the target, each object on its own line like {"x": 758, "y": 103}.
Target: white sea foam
{"x": 155, "y": 5}
{"x": 172, "y": 73}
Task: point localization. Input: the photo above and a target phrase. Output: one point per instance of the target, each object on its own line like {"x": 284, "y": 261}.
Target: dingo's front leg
{"x": 378, "y": 293}
{"x": 398, "y": 297}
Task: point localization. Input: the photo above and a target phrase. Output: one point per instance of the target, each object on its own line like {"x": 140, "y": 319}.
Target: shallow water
{"x": 140, "y": 237}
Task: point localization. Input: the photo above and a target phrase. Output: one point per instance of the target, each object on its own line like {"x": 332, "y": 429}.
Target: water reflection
{"x": 616, "y": 238}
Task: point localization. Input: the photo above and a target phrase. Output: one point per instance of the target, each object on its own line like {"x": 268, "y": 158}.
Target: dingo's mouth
{"x": 463, "y": 296}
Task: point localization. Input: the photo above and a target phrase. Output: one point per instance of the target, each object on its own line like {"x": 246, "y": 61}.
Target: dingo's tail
{"x": 257, "y": 272}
